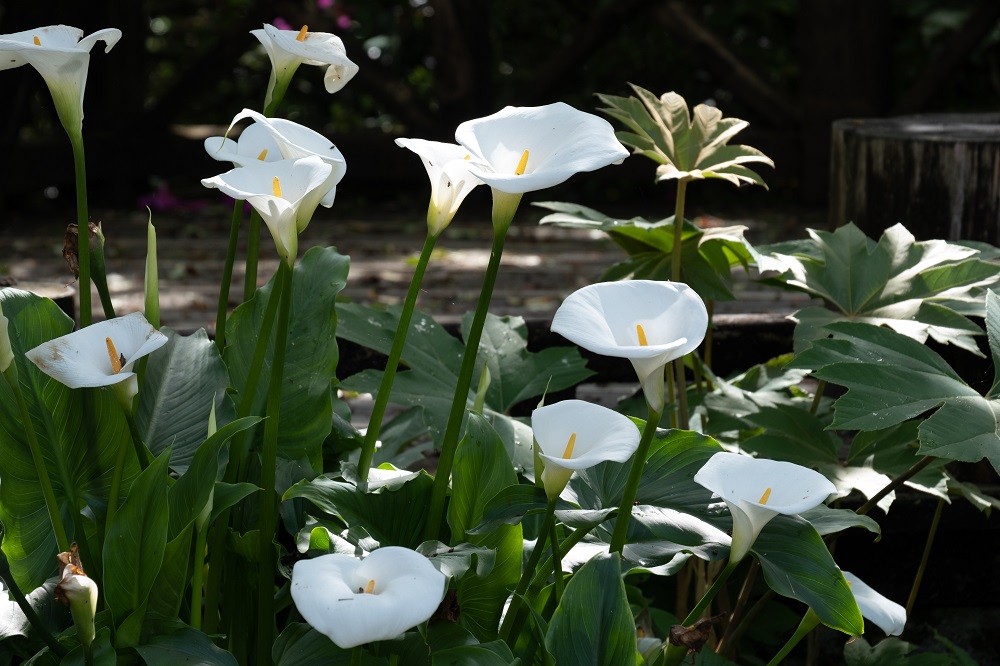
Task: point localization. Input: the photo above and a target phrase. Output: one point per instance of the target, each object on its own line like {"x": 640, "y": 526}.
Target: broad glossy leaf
{"x": 172, "y": 643}
{"x": 301, "y": 645}
{"x": 182, "y": 382}
{"x": 892, "y": 378}
{"x": 79, "y": 453}
{"x": 482, "y": 468}
{"x": 137, "y": 539}
{"x": 797, "y": 564}
{"x": 494, "y": 653}
{"x": 593, "y": 623}
{"x": 685, "y": 146}
{"x": 920, "y": 289}
{"x": 310, "y": 360}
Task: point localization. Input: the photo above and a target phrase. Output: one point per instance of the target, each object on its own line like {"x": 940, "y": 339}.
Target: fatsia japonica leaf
{"x": 687, "y": 146}
{"x": 922, "y": 289}
{"x": 707, "y": 255}
{"x": 892, "y": 378}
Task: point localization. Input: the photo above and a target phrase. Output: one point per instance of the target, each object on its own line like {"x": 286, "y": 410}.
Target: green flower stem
{"x": 926, "y": 555}
{"x": 741, "y": 602}
{"x": 269, "y": 456}
{"x": 198, "y": 575}
{"x": 253, "y": 251}
{"x": 674, "y": 654}
{"x": 141, "y": 453}
{"x": 222, "y": 312}
{"x": 818, "y": 396}
{"x": 392, "y": 364}
{"x": 895, "y": 483}
{"x": 278, "y": 91}
{"x": 36, "y": 622}
{"x": 557, "y": 572}
{"x": 675, "y": 266}
{"x": 548, "y": 525}
{"x": 357, "y": 654}
{"x": 808, "y": 623}
{"x": 504, "y": 206}
{"x": 115, "y": 491}
{"x": 36, "y": 456}
{"x": 99, "y": 274}
{"x": 83, "y": 226}
{"x": 575, "y": 537}
{"x": 682, "y": 396}
{"x": 237, "y": 462}
{"x": 620, "y": 533}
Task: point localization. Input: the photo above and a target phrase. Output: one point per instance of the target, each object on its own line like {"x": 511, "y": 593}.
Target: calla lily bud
{"x": 79, "y": 592}
{"x": 152, "y": 278}
{"x": 6, "y": 353}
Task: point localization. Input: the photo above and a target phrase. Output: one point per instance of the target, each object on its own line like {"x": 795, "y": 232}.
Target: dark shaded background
{"x": 789, "y": 67}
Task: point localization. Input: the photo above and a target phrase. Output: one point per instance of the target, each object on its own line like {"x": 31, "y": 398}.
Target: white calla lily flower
{"x": 757, "y": 489}
{"x": 288, "y": 49}
{"x": 447, "y": 166}
{"x": 254, "y": 144}
{"x": 100, "y": 355}
{"x": 889, "y": 616}
{"x": 523, "y": 149}
{"x": 574, "y": 435}
{"x": 649, "y": 322}
{"x": 354, "y": 601}
{"x": 61, "y": 54}
{"x": 285, "y": 193}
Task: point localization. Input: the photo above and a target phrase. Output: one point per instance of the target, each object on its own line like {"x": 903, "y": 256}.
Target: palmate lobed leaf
{"x": 686, "y": 145}
{"x": 920, "y": 289}
{"x": 892, "y": 378}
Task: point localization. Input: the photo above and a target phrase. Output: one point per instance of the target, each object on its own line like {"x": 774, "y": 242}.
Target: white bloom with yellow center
{"x": 288, "y": 49}
{"x": 447, "y": 166}
{"x": 649, "y": 322}
{"x": 354, "y": 602}
{"x": 757, "y": 489}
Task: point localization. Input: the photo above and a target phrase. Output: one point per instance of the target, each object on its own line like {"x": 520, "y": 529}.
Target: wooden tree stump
{"x": 938, "y": 175}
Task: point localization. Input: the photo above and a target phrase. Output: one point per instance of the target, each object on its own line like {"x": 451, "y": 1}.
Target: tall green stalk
{"x": 83, "y": 226}
{"x": 392, "y": 364}
{"x": 675, "y": 275}
{"x": 269, "y": 456}
{"x": 620, "y": 533}
{"x": 809, "y": 622}
{"x": 504, "y": 207}
{"x": 222, "y": 311}
{"x": 253, "y": 251}
{"x": 517, "y": 599}
{"x": 918, "y": 578}
{"x": 674, "y": 654}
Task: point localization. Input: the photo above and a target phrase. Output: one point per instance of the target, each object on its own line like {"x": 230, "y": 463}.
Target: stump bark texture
{"x": 938, "y": 175}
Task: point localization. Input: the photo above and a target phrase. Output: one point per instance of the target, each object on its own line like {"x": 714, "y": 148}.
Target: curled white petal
{"x": 889, "y": 616}
{"x": 447, "y": 167}
{"x": 332, "y": 594}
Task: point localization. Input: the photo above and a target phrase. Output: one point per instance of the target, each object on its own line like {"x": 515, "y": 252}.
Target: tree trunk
{"x": 939, "y": 175}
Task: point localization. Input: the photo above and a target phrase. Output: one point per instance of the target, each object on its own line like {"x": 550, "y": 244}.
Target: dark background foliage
{"x": 185, "y": 67}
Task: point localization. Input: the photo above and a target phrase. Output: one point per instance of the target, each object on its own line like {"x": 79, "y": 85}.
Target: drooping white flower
{"x": 447, "y": 166}
{"x": 574, "y": 435}
{"x": 757, "y": 489}
{"x": 100, "y": 355}
{"x": 889, "y": 616}
{"x": 523, "y": 149}
{"x": 354, "y": 601}
{"x": 285, "y": 193}
{"x": 288, "y": 49}
{"x": 61, "y": 54}
{"x": 649, "y": 322}
{"x": 294, "y": 141}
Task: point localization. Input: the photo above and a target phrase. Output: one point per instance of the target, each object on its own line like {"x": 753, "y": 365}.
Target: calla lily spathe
{"x": 288, "y": 49}
{"x": 649, "y": 322}
{"x": 61, "y": 54}
{"x": 560, "y": 140}
{"x": 757, "y": 489}
{"x": 83, "y": 358}
{"x": 447, "y": 166}
{"x": 354, "y": 601}
{"x": 285, "y": 193}
{"x": 254, "y": 144}
{"x": 575, "y": 435}
{"x": 293, "y": 141}
{"x": 889, "y": 616}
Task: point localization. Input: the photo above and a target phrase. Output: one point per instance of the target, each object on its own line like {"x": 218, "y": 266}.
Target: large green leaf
{"x": 685, "y": 146}
{"x": 79, "y": 452}
{"x": 433, "y": 358}
{"x": 797, "y": 564}
{"x": 494, "y": 653}
{"x": 310, "y": 360}
{"x": 137, "y": 539}
{"x": 593, "y": 623}
{"x": 182, "y": 383}
{"x": 482, "y": 468}
{"x": 920, "y": 289}
{"x": 171, "y": 642}
{"x": 707, "y": 255}
{"x": 301, "y": 645}
{"x": 892, "y": 378}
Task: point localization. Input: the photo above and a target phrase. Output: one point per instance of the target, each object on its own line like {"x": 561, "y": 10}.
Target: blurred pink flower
{"x": 281, "y": 24}
{"x": 324, "y": 4}
{"x": 343, "y": 21}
